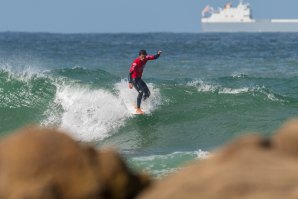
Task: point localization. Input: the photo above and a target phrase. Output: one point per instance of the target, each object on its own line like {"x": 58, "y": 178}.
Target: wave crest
{"x": 94, "y": 114}
{"x": 218, "y": 89}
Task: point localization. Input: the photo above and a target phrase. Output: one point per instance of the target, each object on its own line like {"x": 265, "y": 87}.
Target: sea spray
{"x": 256, "y": 90}
{"x": 25, "y": 89}
{"x": 129, "y": 97}
{"x": 90, "y": 114}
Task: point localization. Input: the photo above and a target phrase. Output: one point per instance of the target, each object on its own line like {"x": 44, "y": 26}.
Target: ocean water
{"x": 207, "y": 89}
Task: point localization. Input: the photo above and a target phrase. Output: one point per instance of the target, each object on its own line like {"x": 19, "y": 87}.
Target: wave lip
{"x": 89, "y": 115}
{"x": 202, "y": 86}
{"x": 254, "y": 91}
{"x": 94, "y": 114}
{"x": 233, "y": 91}
{"x": 129, "y": 97}
{"x": 24, "y": 89}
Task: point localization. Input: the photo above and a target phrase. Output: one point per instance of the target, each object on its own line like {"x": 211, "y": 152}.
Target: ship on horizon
{"x": 239, "y": 19}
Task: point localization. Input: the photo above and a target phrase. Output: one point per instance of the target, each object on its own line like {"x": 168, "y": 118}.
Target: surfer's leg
{"x": 139, "y": 99}
{"x": 145, "y": 89}
{"x": 139, "y": 88}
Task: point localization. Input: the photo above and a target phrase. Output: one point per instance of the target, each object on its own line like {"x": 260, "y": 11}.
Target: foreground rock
{"x": 251, "y": 168}
{"x": 46, "y": 164}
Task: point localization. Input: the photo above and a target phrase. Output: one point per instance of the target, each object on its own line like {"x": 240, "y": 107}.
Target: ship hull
{"x": 260, "y": 26}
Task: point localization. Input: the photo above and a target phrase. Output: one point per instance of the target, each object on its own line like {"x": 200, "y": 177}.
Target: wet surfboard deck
{"x": 132, "y": 109}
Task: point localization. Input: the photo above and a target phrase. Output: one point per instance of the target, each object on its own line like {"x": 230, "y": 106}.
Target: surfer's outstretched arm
{"x": 158, "y": 54}
{"x": 152, "y": 57}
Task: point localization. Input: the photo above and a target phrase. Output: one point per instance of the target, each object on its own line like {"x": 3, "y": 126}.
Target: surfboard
{"x": 131, "y": 107}
{"x": 135, "y": 109}
{"x": 135, "y": 113}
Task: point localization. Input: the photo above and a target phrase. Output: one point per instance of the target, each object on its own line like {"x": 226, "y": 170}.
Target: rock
{"x": 118, "y": 182}
{"x": 286, "y": 138}
{"x": 44, "y": 163}
{"x": 250, "y": 167}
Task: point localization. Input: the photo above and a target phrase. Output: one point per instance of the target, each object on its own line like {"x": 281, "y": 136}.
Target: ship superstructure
{"x": 239, "y": 19}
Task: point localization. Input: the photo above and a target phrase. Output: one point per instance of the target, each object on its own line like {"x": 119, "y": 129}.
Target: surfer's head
{"x": 142, "y": 54}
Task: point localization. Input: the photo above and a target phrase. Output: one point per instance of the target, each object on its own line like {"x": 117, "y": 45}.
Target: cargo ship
{"x": 239, "y": 19}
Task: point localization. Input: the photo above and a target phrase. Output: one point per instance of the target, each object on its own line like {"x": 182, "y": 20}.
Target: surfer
{"x": 135, "y": 77}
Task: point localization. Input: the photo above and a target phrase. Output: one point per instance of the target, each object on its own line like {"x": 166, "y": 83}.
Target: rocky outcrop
{"x": 250, "y": 167}
{"x": 44, "y": 163}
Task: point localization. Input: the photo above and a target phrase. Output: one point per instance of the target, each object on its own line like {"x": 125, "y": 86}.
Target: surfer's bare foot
{"x": 139, "y": 111}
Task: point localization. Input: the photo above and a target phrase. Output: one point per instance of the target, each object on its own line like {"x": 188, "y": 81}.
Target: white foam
{"x": 22, "y": 94}
{"x": 233, "y": 91}
{"x": 129, "y": 97}
{"x": 238, "y": 75}
{"x": 200, "y": 154}
{"x": 162, "y": 165}
{"x": 202, "y": 86}
{"x": 24, "y": 74}
{"x": 271, "y": 96}
{"x": 205, "y": 87}
{"x": 89, "y": 114}
{"x": 94, "y": 114}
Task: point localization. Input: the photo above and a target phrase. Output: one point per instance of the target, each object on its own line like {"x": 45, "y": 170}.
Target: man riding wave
{"x": 135, "y": 77}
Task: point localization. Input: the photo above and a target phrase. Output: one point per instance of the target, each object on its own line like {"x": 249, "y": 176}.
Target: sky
{"x": 123, "y": 16}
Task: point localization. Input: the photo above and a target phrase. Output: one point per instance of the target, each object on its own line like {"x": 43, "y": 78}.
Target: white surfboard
{"x": 133, "y": 110}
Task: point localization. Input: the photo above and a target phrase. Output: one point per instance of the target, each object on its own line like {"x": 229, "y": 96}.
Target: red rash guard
{"x": 138, "y": 66}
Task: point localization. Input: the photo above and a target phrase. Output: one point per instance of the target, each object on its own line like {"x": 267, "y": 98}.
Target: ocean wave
{"x": 129, "y": 97}
{"x": 213, "y": 88}
{"x": 25, "y": 73}
{"x": 199, "y": 154}
{"x": 90, "y": 114}
{"x": 234, "y": 91}
{"x": 238, "y": 75}
{"x": 202, "y": 86}
{"x": 83, "y": 75}
{"x": 254, "y": 91}
{"x": 24, "y": 88}
{"x": 162, "y": 165}
{"x": 87, "y": 114}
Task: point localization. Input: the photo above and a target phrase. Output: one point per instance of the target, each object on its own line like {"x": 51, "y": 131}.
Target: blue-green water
{"x": 206, "y": 90}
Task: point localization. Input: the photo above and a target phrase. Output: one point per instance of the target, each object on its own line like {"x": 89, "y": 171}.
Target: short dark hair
{"x": 142, "y": 52}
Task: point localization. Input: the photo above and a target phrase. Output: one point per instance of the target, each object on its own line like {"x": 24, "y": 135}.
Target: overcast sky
{"x": 118, "y": 16}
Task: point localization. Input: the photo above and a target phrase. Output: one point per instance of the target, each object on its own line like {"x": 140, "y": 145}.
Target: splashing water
{"x": 94, "y": 114}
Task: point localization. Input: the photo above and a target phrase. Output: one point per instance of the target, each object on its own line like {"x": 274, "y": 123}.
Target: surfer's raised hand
{"x": 130, "y": 85}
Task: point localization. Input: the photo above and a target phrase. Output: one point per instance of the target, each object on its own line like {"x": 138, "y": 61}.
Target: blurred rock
{"x": 119, "y": 183}
{"x": 45, "y": 164}
{"x": 251, "y": 167}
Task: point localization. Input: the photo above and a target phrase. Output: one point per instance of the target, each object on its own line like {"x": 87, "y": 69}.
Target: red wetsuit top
{"x": 137, "y": 66}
